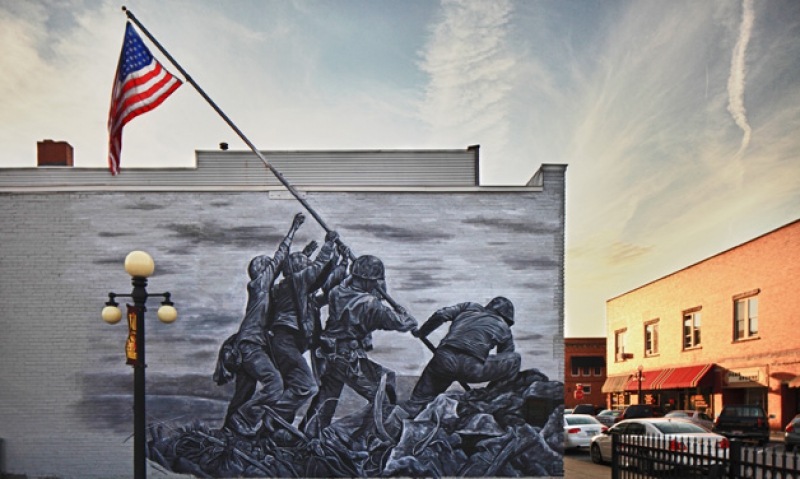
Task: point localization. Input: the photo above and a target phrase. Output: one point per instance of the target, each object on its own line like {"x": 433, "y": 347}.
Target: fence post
{"x": 615, "y": 456}
{"x": 735, "y": 456}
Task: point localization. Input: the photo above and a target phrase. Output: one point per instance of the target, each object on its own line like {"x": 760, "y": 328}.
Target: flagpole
{"x": 274, "y": 171}
{"x": 230, "y": 123}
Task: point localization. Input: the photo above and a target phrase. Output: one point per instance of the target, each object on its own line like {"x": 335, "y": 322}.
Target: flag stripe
{"x": 140, "y": 85}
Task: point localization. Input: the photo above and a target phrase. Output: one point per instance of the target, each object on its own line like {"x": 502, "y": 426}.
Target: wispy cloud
{"x": 470, "y": 71}
{"x": 736, "y": 81}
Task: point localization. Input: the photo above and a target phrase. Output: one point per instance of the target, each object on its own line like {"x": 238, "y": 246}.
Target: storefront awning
{"x": 651, "y": 381}
{"x": 795, "y": 383}
{"x": 615, "y": 384}
{"x": 688, "y": 377}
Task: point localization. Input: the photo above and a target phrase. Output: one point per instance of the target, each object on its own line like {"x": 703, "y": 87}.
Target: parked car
{"x": 579, "y": 429}
{"x": 639, "y": 411}
{"x": 792, "y": 435}
{"x": 743, "y": 422}
{"x": 608, "y": 416}
{"x": 584, "y": 409}
{"x": 697, "y": 417}
{"x": 675, "y": 435}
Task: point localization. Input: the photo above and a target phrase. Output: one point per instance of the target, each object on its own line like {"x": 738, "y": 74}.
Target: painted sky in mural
{"x": 677, "y": 119}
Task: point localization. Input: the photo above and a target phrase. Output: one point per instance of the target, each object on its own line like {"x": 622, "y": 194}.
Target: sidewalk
{"x": 577, "y": 469}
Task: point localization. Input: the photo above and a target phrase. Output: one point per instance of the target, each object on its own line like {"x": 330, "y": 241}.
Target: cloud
{"x": 470, "y": 73}
{"x": 736, "y": 81}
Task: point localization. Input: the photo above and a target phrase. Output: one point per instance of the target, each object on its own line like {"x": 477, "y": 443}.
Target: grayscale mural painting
{"x": 417, "y": 338}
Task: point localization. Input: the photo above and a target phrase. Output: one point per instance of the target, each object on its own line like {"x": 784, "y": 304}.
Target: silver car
{"x": 579, "y": 429}
{"x": 792, "y": 435}
{"x": 697, "y": 417}
{"x": 608, "y": 416}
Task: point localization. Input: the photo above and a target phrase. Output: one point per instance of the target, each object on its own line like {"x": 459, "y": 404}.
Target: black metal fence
{"x": 634, "y": 457}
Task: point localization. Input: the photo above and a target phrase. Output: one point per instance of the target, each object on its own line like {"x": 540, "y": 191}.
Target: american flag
{"x": 141, "y": 84}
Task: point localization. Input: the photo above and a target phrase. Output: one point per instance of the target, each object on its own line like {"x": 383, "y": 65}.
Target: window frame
{"x": 694, "y": 337}
{"x": 748, "y": 320}
{"x": 619, "y": 346}
{"x": 653, "y": 350}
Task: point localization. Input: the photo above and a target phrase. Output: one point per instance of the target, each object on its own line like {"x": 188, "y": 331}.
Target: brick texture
{"x": 65, "y": 391}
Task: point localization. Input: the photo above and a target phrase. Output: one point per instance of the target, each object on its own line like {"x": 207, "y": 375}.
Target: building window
{"x": 745, "y": 318}
{"x": 619, "y": 345}
{"x": 598, "y": 371}
{"x": 691, "y": 329}
{"x": 651, "y": 338}
{"x": 587, "y": 389}
{"x": 576, "y": 371}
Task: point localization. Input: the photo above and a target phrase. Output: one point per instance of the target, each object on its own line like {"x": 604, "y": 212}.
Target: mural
{"x": 324, "y": 374}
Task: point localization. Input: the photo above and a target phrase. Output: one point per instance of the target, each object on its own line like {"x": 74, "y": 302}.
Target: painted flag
{"x": 140, "y": 85}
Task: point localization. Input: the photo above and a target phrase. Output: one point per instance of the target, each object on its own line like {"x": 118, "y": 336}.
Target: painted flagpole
{"x": 250, "y": 144}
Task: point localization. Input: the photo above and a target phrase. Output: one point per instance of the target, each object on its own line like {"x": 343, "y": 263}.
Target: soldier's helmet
{"x": 257, "y": 265}
{"x": 503, "y": 307}
{"x": 294, "y": 263}
{"x": 368, "y": 267}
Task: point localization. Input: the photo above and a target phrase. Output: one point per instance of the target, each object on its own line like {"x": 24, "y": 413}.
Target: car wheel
{"x": 597, "y": 456}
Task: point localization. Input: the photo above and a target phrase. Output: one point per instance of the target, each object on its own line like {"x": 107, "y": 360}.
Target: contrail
{"x": 736, "y": 79}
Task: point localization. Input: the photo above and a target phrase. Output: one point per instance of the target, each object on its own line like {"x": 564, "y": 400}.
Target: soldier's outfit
{"x": 353, "y": 314}
{"x": 464, "y": 353}
{"x": 254, "y": 365}
{"x": 293, "y": 324}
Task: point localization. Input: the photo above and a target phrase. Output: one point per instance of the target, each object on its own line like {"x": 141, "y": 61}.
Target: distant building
{"x": 584, "y": 371}
{"x": 722, "y": 331}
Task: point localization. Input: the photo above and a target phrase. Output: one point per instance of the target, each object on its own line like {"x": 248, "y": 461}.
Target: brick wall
{"x": 769, "y": 264}
{"x": 583, "y": 347}
{"x": 65, "y": 400}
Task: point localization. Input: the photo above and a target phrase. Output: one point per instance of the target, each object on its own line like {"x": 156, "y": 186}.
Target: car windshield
{"x": 678, "y": 428}
{"x": 576, "y": 420}
{"x": 609, "y": 413}
{"x": 677, "y": 414}
{"x": 743, "y": 412}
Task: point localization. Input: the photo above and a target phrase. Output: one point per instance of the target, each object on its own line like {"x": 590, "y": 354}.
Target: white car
{"x": 579, "y": 429}
{"x": 668, "y": 442}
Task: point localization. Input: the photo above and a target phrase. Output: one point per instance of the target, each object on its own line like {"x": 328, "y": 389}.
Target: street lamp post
{"x": 140, "y": 266}
{"x": 639, "y": 379}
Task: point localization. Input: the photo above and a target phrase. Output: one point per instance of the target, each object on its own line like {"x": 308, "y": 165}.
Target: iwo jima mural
{"x": 281, "y": 419}
{"x": 305, "y": 341}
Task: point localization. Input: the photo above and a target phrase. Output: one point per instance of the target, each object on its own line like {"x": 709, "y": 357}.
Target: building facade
{"x": 584, "y": 371}
{"x": 719, "y": 332}
{"x": 65, "y": 389}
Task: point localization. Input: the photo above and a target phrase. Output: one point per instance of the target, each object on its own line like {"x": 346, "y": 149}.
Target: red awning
{"x": 795, "y": 383}
{"x": 615, "y": 384}
{"x": 651, "y": 380}
{"x": 688, "y": 377}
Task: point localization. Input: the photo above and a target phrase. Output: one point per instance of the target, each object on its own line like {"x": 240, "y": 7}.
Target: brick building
{"x": 65, "y": 388}
{"x": 584, "y": 365}
{"x": 722, "y": 331}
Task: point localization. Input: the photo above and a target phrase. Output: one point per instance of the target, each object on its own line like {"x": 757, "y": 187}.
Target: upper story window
{"x": 576, "y": 371}
{"x": 619, "y": 344}
{"x": 651, "y": 338}
{"x": 745, "y": 316}
{"x": 691, "y": 328}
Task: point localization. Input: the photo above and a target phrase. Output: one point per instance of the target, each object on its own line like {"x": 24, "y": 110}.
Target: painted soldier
{"x": 292, "y": 324}
{"x": 354, "y": 312}
{"x": 464, "y": 353}
{"x": 249, "y": 346}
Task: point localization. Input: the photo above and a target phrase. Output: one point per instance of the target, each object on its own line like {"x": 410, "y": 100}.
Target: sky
{"x": 678, "y": 120}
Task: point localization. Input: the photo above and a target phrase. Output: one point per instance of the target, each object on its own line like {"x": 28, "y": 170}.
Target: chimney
{"x": 54, "y": 153}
